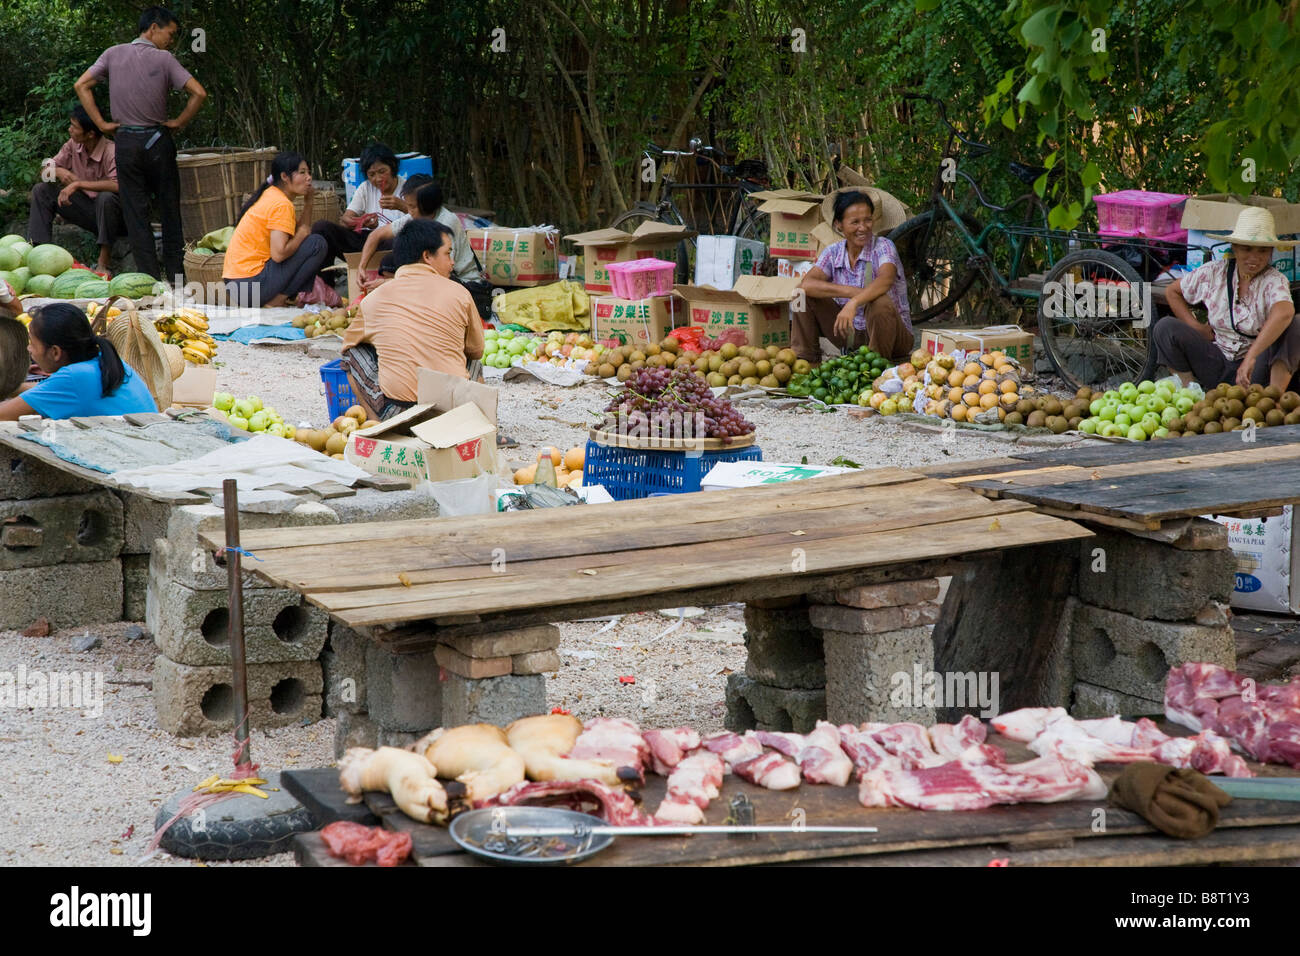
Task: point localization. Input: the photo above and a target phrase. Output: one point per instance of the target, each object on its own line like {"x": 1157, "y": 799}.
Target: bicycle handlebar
{"x": 977, "y": 149}
{"x": 696, "y": 147}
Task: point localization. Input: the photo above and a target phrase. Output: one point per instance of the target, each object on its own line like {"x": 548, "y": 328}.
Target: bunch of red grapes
{"x": 673, "y": 403}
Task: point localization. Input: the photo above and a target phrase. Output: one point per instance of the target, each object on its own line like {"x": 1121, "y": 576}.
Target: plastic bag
{"x": 321, "y": 292}
{"x": 464, "y": 496}
{"x": 691, "y": 337}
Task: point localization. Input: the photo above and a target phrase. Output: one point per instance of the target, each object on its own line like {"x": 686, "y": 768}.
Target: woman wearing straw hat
{"x": 1250, "y": 336}
{"x": 87, "y": 376}
{"x": 856, "y": 292}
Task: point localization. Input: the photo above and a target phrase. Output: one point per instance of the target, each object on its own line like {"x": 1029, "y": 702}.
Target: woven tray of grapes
{"x": 671, "y": 410}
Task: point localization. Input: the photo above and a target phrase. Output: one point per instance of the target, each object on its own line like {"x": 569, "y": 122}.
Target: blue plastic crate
{"x": 338, "y": 393}
{"x": 639, "y": 473}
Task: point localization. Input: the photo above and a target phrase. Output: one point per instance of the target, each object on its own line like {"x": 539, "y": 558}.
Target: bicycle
{"x": 944, "y": 250}
{"x": 728, "y": 210}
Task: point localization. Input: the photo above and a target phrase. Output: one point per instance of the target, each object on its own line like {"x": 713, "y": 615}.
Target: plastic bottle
{"x": 545, "y": 471}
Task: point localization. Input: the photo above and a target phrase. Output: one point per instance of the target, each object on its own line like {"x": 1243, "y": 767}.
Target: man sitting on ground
{"x": 84, "y": 189}
{"x": 421, "y": 319}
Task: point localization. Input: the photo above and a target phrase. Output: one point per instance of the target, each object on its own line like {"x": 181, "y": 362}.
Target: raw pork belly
{"x": 613, "y": 739}
{"x": 668, "y": 747}
{"x": 865, "y": 750}
{"x": 818, "y": 753}
{"x": 746, "y": 759}
{"x": 1209, "y": 697}
{"x": 586, "y": 796}
{"x": 980, "y": 778}
{"x": 1025, "y": 724}
{"x": 911, "y": 744}
{"x": 692, "y": 784}
{"x": 951, "y": 740}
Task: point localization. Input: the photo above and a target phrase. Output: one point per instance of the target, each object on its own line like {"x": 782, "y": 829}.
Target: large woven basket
{"x": 206, "y": 271}
{"x": 205, "y": 194}
{"x": 326, "y": 203}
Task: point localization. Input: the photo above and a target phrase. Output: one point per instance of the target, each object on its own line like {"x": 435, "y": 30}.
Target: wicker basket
{"x": 326, "y": 203}
{"x": 206, "y": 271}
{"x": 246, "y": 169}
{"x": 205, "y": 196}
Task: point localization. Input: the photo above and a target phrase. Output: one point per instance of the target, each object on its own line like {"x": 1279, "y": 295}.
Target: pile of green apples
{"x": 502, "y": 348}
{"x": 248, "y": 414}
{"x": 1138, "y": 411}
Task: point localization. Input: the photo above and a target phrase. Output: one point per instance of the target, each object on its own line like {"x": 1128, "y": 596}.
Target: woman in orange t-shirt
{"x": 271, "y": 256}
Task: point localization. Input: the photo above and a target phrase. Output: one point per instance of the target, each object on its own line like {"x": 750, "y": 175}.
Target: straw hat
{"x": 137, "y": 342}
{"x": 1255, "y": 227}
{"x": 890, "y": 211}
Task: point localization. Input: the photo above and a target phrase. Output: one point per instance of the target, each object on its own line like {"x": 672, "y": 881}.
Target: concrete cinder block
{"x": 343, "y": 663}
{"x": 755, "y": 706}
{"x": 354, "y": 730}
{"x": 525, "y": 640}
{"x": 68, "y": 529}
{"x": 853, "y": 620}
{"x": 371, "y": 505}
{"x": 187, "y": 562}
{"x": 472, "y": 667}
{"x": 192, "y": 701}
{"x": 195, "y": 569}
{"x": 402, "y": 739}
{"x": 1091, "y": 701}
{"x": 893, "y": 594}
{"x": 1132, "y": 655}
{"x": 192, "y": 627}
{"x": 144, "y": 519}
{"x": 66, "y": 595}
{"x": 535, "y": 662}
{"x": 1151, "y": 580}
{"x": 785, "y": 650}
{"x": 22, "y": 476}
{"x": 861, "y": 669}
{"x": 403, "y": 691}
{"x": 135, "y": 586}
{"x": 496, "y": 700}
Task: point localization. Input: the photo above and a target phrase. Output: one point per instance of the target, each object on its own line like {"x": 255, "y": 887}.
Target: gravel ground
{"x": 65, "y": 802}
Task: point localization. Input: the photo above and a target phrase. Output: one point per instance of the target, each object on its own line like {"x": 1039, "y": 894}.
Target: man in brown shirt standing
{"x": 421, "y": 318}
{"x": 140, "y": 74}
{"x": 83, "y": 190}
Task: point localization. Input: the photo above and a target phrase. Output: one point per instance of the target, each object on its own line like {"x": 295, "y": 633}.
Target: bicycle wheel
{"x": 755, "y": 226}
{"x": 628, "y": 222}
{"x": 1107, "y": 346}
{"x": 936, "y": 263}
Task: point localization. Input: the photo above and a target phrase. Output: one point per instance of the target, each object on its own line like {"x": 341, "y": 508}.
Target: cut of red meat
{"x": 358, "y": 844}
{"x": 1263, "y": 721}
{"x": 586, "y": 796}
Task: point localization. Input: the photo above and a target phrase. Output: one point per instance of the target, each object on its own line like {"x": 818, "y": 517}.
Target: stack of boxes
{"x": 1208, "y": 218}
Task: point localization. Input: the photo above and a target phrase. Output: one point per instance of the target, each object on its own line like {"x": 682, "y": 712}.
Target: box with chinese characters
{"x": 516, "y": 257}
{"x": 759, "y": 306}
{"x": 1268, "y": 562}
{"x": 603, "y": 247}
{"x": 794, "y": 216}
{"x": 636, "y": 320}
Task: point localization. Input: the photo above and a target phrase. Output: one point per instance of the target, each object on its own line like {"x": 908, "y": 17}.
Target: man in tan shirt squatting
{"x": 420, "y": 319}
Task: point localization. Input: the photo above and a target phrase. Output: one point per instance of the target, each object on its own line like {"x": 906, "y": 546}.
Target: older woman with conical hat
{"x": 1251, "y": 335}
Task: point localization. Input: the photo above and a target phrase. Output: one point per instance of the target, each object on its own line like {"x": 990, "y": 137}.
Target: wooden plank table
{"x": 1025, "y": 834}
{"x": 484, "y": 573}
{"x": 1143, "y": 484}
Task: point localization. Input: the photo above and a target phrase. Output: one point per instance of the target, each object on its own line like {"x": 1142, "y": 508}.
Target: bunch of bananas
{"x": 92, "y": 310}
{"x": 188, "y": 328}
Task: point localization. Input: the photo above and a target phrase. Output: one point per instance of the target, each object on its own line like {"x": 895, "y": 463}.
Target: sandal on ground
{"x": 505, "y": 441}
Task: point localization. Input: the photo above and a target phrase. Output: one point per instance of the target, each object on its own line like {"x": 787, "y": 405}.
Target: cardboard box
{"x": 451, "y": 391}
{"x": 353, "y": 259}
{"x": 794, "y": 267}
{"x": 516, "y": 257}
{"x": 758, "y": 305}
{"x": 1218, "y": 212}
{"x": 794, "y": 215}
{"x": 1268, "y": 562}
{"x": 195, "y": 387}
{"x": 636, "y": 320}
{"x": 1206, "y": 247}
{"x": 1011, "y": 339}
{"x": 747, "y": 474}
{"x": 600, "y": 247}
{"x": 721, "y": 260}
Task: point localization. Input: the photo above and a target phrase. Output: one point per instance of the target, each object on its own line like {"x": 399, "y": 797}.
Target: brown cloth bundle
{"x": 1181, "y": 803}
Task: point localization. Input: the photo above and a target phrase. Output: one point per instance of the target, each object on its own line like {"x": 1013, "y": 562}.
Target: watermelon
{"x": 49, "y": 260}
{"x": 16, "y": 281}
{"x": 92, "y": 289}
{"x": 24, "y": 273}
{"x": 22, "y": 248}
{"x": 39, "y": 285}
{"x": 65, "y": 286}
{"x": 133, "y": 285}
{"x": 10, "y": 239}
{"x": 10, "y": 258}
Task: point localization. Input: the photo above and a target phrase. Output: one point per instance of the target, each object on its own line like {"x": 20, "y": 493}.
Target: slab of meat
{"x": 911, "y": 744}
{"x": 614, "y": 740}
{"x": 866, "y": 752}
{"x": 668, "y": 747}
{"x": 980, "y": 778}
{"x": 691, "y": 785}
{"x": 1068, "y": 737}
{"x": 358, "y": 844}
{"x": 745, "y": 758}
{"x": 1262, "y": 721}
{"x": 586, "y": 796}
{"x": 1025, "y": 724}
{"x": 542, "y": 739}
{"x": 818, "y": 754}
{"x": 951, "y": 740}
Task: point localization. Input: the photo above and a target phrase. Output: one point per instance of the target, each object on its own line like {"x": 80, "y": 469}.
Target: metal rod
{"x": 235, "y": 592}
{"x": 601, "y": 830}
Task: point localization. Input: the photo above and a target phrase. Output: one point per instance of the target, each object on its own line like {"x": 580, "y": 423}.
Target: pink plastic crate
{"x": 1177, "y": 236}
{"x": 1134, "y": 212}
{"x": 641, "y": 278}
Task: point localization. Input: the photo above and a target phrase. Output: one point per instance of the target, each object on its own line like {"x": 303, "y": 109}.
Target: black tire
{"x": 936, "y": 263}
{"x": 629, "y": 220}
{"x": 1096, "y": 351}
{"x": 755, "y": 226}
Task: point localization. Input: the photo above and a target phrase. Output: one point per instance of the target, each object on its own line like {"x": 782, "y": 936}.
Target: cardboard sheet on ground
{"x": 255, "y": 464}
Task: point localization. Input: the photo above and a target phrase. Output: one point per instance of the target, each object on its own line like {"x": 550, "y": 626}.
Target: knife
{"x": 1260, "y": 788}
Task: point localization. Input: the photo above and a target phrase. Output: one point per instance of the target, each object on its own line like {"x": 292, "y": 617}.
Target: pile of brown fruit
{"x": 1228, "y": 408}
{"x": 769, "y": 367}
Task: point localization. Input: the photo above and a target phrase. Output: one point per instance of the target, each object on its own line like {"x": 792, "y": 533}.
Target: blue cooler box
{"x": 408, "y": 164}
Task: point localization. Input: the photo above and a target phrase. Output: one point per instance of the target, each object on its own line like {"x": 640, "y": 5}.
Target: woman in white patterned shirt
{"x": 1251, "y": 335}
